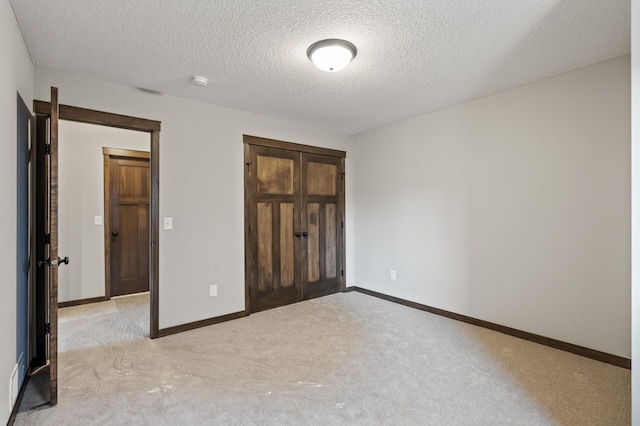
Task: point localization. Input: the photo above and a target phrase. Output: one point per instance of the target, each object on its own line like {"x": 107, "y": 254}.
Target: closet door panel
{"x": 322, "y": 198}
{"x": 273, "y": 249}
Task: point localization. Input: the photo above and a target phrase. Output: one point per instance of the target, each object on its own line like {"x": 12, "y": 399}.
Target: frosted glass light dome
{"x": 331, "y": 55}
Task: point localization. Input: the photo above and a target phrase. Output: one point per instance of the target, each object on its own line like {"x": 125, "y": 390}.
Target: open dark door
{"x": 54, "y": 260}
{"x": 46, "y": 244}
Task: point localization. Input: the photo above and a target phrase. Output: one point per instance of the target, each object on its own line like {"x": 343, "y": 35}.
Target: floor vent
{"x": 13, "y": 384}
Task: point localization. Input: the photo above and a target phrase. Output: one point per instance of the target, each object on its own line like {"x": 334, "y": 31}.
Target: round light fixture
{"x": 331, "y": 55}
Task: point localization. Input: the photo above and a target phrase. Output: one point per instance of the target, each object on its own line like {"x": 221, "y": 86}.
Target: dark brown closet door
{"x": 322, "y": 222}
{"x": 274, "y": 211}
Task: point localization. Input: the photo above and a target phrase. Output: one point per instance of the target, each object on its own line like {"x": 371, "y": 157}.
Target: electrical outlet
{"x": 168, "y": 223}
{"x": 392, "y": 275}
{"x": 213, "y": 290}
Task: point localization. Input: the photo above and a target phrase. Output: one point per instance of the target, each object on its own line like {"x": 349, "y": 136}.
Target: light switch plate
{"x": 392, "y": 275}
{"x": 168, "y": 223}
{"x": 97, "y": 220}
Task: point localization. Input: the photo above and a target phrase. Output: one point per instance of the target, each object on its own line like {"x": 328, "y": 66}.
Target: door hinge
{"x": 342, "y": 225}
{"x": 343, "y": 272}
{"x": 249, "y": 229}
{"x": 47, "y": 328}
{"x": 47, "y": 238}
{"x": 248, "y": 165}
{"x": 47, "y": 148}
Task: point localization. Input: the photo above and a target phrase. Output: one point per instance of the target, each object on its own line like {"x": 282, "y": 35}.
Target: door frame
{"x": 88, "y": 116}
{"x": 107, "y": 154}
{"x": 250, "y": 259}
{"x": 39, "y": 304}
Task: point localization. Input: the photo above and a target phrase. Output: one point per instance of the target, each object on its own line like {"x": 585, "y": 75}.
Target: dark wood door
{"x": 128, "y": 225}
{"x": 54, "y": 259}
{"x": 45, "y": 241}
{"x": 275, "y": 218}
{"x": 322, "y": 195}
{"x": 294, "y": 204}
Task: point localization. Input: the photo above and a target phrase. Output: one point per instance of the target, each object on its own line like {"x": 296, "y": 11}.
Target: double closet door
{"x": 294, "y": 220}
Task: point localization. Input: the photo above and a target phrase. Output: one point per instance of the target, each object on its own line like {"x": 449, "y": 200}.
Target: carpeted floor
{"x": 345, "y": 359}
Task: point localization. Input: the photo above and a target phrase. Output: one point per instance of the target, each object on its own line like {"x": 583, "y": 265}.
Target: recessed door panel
{"x": 129, "y": 238}
{"x": 287, "y": 245}
{"x": 133, "y": 179}
{"x": 321, "y": 178}
{"x": 313, "y": 242}
{"x": 265, "y": 247}
{"x": 275, "y": 175}
{"x": 331, "y": 241}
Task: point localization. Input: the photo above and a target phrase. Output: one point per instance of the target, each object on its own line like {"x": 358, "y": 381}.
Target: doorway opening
{"x": 51, "y": 112}
{"x": 83, "y": 115}
{"x": 126, "y": 224}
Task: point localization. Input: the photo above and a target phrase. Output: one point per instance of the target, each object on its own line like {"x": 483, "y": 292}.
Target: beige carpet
{"x": 345, "y": 359}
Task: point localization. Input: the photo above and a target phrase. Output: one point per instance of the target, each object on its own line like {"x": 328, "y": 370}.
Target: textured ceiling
{"x": 414, "y": 56}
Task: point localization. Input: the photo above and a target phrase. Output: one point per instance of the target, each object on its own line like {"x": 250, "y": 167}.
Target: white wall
{"x": 513, "y": 209}
{"x": 635, "y": 196}
{"x": 201, "y": 187}
{"x": 16, "y": 75}
{"x": 81, "y": 198}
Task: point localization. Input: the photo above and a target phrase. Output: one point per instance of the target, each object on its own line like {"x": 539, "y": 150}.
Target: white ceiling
{"x": 414, "y": 56}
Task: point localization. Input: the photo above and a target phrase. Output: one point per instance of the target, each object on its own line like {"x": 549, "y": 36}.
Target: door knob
{"x": 298, "y": 234}
{"x": 114, "y": 234}
{"x": 304, "y": 234}
{"x": 54, "y": 262}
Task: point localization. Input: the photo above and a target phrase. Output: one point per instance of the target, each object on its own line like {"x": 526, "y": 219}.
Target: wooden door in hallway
{"x": 294, "y": 209}
{"x": 127, "y": 188}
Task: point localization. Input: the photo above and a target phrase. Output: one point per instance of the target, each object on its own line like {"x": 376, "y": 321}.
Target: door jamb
{"x": 88, "y": 116}
{"x": 108, "y": 153}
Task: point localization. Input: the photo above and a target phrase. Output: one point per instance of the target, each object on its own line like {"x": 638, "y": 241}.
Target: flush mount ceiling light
{"x": 331, "y": 55}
